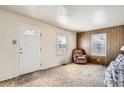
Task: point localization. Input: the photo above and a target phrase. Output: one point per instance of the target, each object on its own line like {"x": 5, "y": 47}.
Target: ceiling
{"x": 77, "y": 18}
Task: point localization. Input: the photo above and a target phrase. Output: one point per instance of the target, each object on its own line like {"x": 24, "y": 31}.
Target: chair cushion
{"x": 81, "y": 57}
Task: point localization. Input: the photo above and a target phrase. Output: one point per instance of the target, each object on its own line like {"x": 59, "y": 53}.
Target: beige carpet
{"x": 70, "y": 75}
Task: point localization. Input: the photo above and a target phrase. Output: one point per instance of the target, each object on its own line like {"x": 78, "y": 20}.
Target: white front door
{"x": 29, "y": 49}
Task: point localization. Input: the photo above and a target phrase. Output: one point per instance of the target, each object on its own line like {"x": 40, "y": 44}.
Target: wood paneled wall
{"x": 115, "y": 39}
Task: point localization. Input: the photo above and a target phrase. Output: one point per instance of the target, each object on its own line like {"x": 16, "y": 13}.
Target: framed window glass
{"x": 99, "y": 44}
{"x": 61, "y": 44}
{"x": 30, "y": 32}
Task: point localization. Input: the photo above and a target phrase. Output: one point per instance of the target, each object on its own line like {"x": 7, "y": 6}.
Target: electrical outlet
{"x": 97, "y": 59}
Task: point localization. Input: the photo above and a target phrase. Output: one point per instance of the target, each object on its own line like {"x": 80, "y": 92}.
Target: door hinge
{"x": 40, "y": 34}
{"x": 40, "y": 64}
{"x": 40, "y": 49}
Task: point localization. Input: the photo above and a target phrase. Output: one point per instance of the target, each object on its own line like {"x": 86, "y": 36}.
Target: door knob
{"x": 20, "y": 48}
{"x": 20, "y": 52}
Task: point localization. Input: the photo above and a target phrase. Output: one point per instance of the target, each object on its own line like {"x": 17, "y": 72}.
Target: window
{"x": 61, "y": 44}
{"x": 30, "y": 32}
{"x": 99, "y": 44}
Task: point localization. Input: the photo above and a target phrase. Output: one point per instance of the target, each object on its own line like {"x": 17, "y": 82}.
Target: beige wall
{"x": 9, "y": 52}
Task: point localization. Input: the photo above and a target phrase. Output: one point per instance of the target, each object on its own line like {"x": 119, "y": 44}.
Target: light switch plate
{"x": 14, "y": 42}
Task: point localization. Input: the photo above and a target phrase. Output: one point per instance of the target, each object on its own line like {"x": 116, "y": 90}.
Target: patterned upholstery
{"x": 79, "y": 56}
{"x": 114, "y": 74}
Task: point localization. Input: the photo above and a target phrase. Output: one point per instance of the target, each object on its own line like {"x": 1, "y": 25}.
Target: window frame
{"x": 105, "y": 45}
{"x": 57, "y": 52}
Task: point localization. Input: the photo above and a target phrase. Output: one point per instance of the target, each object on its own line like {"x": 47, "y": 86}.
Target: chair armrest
{"x": 81, "y": 57}
{"x": 85, "y": 55}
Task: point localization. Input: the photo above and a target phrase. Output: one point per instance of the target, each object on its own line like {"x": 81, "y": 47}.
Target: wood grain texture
{"x": 115, "y": 40}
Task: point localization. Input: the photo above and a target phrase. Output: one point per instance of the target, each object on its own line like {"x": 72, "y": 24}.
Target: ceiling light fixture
{"x": 62, "y": 17}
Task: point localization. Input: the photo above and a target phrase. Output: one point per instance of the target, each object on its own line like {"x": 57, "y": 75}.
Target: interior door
{"x": 29, "y": 49}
